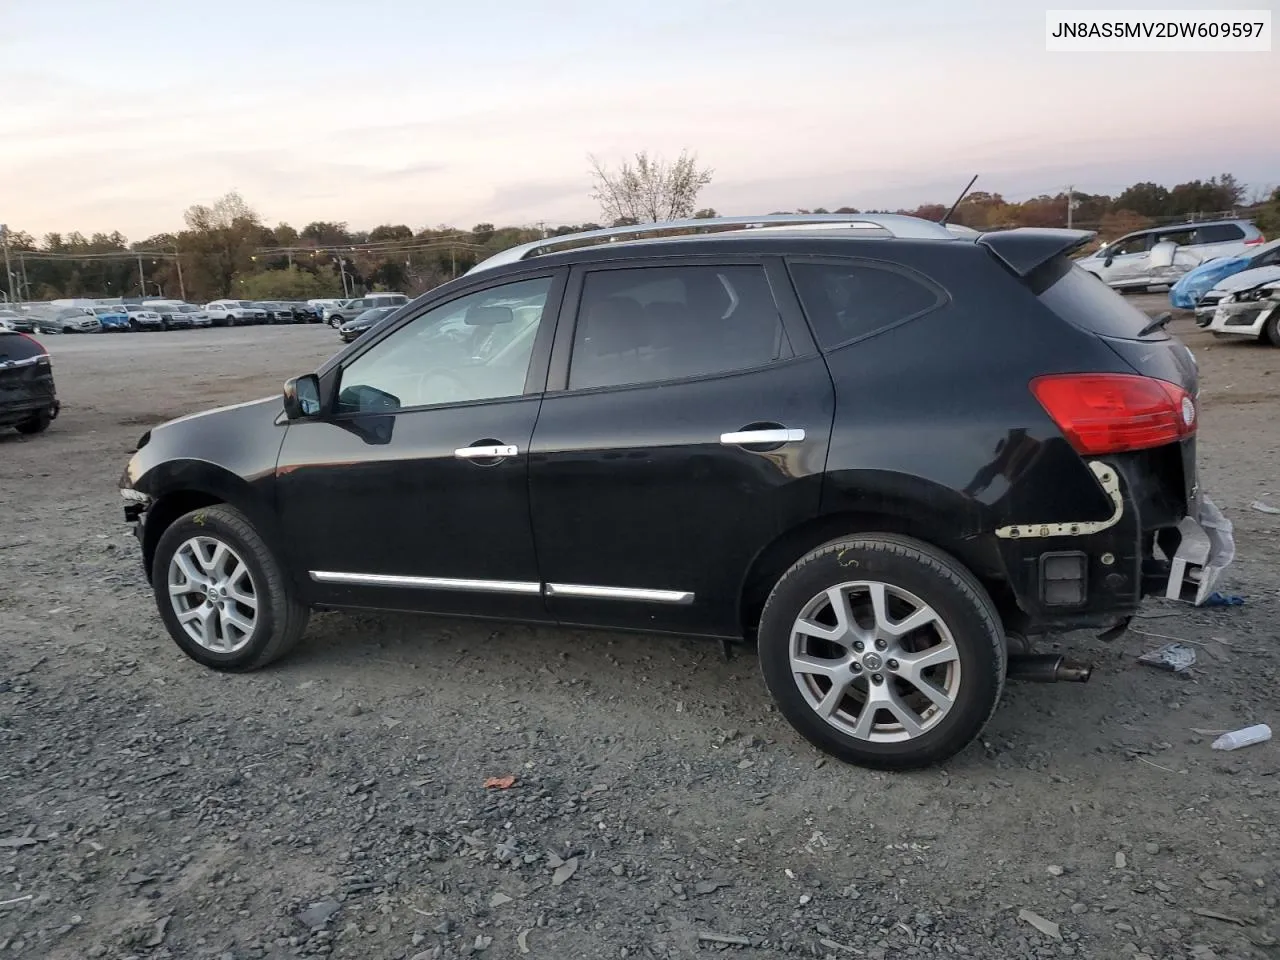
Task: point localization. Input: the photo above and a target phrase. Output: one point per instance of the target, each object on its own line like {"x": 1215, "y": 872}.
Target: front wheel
{"x": 883, "y": 652}
{"x": 222, "y": 595}
{"x": 1271, "y": 329}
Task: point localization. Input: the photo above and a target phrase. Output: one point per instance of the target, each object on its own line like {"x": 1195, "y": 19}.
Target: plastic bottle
{"x": 1260, "y": 733}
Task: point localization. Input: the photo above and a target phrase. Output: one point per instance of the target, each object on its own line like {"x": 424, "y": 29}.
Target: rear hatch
{"x": 1083, "y": 300}
{"x": 26, "y": 378}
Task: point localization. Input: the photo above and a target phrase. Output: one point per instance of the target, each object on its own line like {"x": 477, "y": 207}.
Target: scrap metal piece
{"x": 1174, "y": 657}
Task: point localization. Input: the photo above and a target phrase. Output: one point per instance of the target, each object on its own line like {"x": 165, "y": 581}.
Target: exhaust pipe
{"x": 1047, "y": 668}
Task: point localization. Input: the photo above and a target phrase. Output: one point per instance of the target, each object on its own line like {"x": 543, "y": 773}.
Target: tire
{"x": 36, "y": 423}
{"x": 275, "y": 625}
{"x": 1271, "y": 329}
{"x": 911, "y": 576}
{"x": 133, "y": 326}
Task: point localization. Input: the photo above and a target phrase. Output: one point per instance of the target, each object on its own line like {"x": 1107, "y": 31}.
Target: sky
{"x": 120, "y": 115}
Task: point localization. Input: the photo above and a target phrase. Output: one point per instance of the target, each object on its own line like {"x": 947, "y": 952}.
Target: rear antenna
{"x": 963, "y": 193}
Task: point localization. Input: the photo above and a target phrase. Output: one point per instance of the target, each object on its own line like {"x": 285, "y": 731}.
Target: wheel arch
{"x": 980, "y": 557}
{"x": 180, "y": 486}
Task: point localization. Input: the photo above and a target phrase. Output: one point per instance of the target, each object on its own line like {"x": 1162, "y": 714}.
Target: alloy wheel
{"x": 875, "y": 661}
{"x": 213, "y": 594}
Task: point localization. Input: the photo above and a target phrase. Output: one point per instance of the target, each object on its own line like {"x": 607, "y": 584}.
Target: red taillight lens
{"x": 1255, "y": 241}
{"x": 1103, "y": 413}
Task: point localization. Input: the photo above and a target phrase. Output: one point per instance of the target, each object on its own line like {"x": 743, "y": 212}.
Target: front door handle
{"x": 753, "y": 437}
{"x": 490, "y": 452}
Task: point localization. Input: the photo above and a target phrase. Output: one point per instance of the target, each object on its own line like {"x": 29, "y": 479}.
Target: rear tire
{"x": 36, "y": 423}
{"x": 927, "y": 710}
{"x": 238, "y": 611}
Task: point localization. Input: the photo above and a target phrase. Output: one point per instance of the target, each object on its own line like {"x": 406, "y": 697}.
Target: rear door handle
{"x": 753, "y": 437}
{"x": 486, "y": 453}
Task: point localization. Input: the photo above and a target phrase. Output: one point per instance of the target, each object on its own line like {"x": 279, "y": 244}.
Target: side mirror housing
{"x": 302, "y": 397}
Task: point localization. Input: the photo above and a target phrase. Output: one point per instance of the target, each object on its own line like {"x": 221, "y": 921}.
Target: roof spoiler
{"x": 1025, "y": 248}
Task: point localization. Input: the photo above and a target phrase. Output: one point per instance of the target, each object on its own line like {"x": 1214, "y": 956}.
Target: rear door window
{"x": 1083, "y": 300}
{"x": 651, "y": 324}
{"x": 848, "y": 300}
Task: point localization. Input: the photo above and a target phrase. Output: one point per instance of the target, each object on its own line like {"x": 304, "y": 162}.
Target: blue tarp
{"x": 1195, "y": 283}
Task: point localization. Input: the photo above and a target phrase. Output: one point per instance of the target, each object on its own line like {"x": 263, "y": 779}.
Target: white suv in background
{"x": 350, "y": 309}
{"x": 231, "y": 313}
{"x": 1127, "y": 263}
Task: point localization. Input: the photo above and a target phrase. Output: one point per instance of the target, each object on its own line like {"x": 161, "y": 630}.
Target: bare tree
{"x": 650, "y": 190}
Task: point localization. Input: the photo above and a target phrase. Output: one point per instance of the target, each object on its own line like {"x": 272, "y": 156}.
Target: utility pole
{"x": 177, "y": 260}
{"x": 26, "y": 284}
{"x": 1070, "y": 204}
{"x": 142, "y": 279}
{"x": 8, "y": 274}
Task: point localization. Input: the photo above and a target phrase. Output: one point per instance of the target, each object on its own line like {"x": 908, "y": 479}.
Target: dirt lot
{"x": 334, "y": 804}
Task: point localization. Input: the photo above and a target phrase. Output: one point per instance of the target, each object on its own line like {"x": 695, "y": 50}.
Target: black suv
{"x": 875, "y": 446}
{"x": 28, "y": 398}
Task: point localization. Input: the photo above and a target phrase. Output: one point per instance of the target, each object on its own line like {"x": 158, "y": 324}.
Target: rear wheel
{"x": 222, "y": 594}
{"x": 883, "y": 651}
{"x": 36, "y": 423}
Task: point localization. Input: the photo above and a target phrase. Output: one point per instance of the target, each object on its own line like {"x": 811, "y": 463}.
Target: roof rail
{"x": 875, "y": 224}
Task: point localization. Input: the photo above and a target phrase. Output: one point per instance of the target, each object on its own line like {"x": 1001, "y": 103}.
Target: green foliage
{"x": 291, "y": 283}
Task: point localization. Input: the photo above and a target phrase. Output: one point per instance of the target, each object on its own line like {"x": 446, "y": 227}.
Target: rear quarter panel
{"x": 935, "y": 420}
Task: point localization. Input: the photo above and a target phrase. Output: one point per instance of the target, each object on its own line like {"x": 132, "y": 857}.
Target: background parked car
{"x": 112, "y": 317}
{"x": 233, "y": 313}
{"x": 14, "y": 320}
{"x": 68, "y": 320}
{"x": 276, "y": 311}
{"x": 142, "y": 317}
{"x": 28, "y": 399}
{"x": 1127, "y": 263}
{"x": 1188, "y": 291}
{"x": 305, "y": 312}
{"x": 364, "y": 323}
{"x": 172, "y": 316}
{"x": 350, "y": 309}
{"x": 1252, "y": 312}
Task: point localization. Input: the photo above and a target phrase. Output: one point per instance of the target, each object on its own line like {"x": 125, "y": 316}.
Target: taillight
{"x": 1102, "y": 413}
{"x": 1256, "y": 241}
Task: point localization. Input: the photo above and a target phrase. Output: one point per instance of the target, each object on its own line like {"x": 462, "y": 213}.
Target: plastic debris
{"x": 1264, "y": 507}
{"x": 1246, "y": 737}
{"x": 1206, "y": 548}
{"x": 1047, "y": 927}
{"x": 500, "y": 783}
{"x": 1174, "y": 657}
{"x": 1217, "y": 599}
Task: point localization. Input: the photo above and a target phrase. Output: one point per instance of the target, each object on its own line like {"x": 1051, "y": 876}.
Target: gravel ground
{"x": 335, "y": 804}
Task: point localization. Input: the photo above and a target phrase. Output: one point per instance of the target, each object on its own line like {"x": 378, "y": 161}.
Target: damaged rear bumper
{"x": 1206, "y": 548}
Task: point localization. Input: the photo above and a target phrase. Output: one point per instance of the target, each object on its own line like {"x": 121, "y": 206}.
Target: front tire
{"x": 223, "y": 596}
{"x": 1271, "y": 329}
{"x": 883, "y": 651}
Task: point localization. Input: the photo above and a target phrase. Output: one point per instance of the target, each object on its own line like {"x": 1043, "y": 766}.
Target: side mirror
{"x": 302, "y": 397}
{"x": 1162, "y": 253}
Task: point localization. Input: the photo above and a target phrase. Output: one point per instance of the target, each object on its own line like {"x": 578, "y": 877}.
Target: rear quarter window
{"x": 1219, "y": 233}
{"x": 848, "y": 300}
{"x": 1080, "y": 298}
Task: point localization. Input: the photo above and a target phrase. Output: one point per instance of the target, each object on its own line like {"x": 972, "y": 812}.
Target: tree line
{"x": 226, "y": 250}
